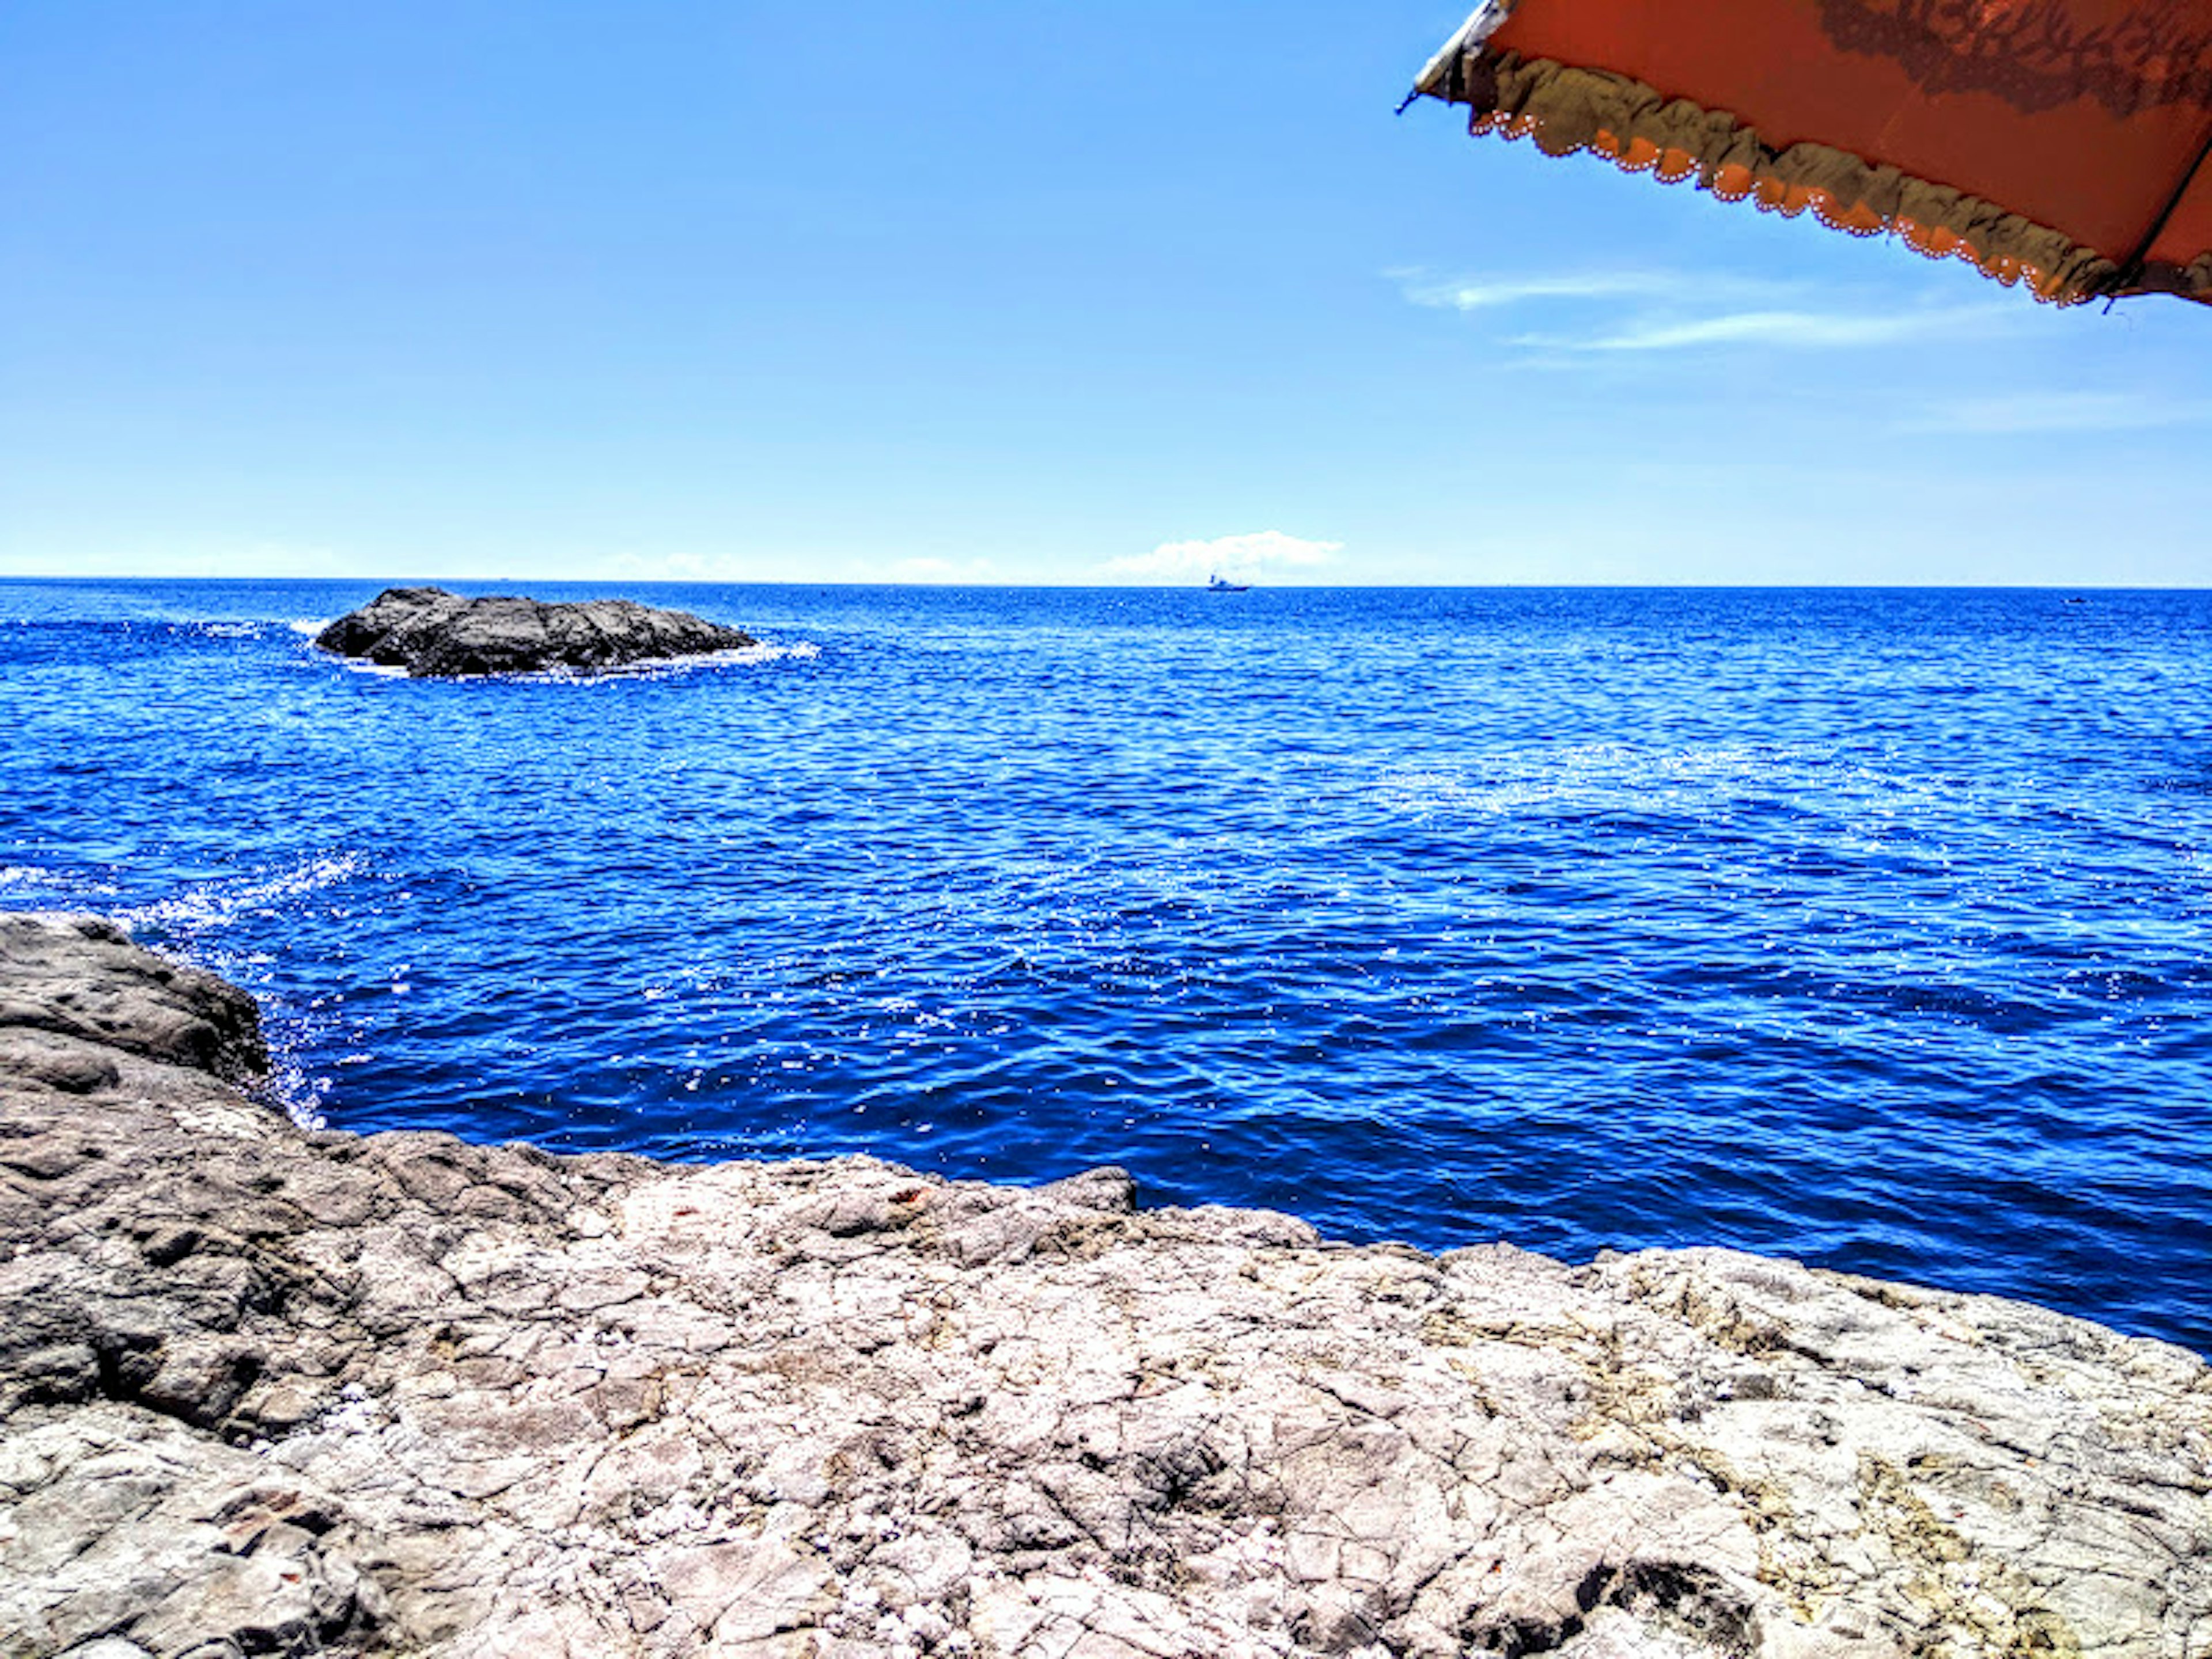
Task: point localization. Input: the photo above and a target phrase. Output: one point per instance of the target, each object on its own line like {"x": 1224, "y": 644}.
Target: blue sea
{"x": 1867, "y": 927}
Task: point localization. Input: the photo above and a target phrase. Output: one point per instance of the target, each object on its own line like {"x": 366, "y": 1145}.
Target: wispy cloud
{"x": 686, "y": 566}
{"x": 1616, "y": 312}
{"x": 1255, "y": 554}
{"x": 2028, "y": 412}
{"x": 1645, "y": 287}
{"x": 1485, "y": 293}
{"x": 1795, "y": 330}
{"x": 926, "y": 569}
{"x": 678, "y": 565}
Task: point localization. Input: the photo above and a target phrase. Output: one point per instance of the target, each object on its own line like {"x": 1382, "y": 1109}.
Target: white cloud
{"x": 2077, "y": 411}
{"x": 1483, "y": 294}
{"x": 195, "y": 559}
{"x": 928, "y": 569}
{"x": 1645, "y": 287}
{"x": 827, "y": 566}
{"x": 1646, "y": 310}
{"x": 631, "y": 565}
{"x": 1258, "y": 553}
{"x": 1813, "y": 331}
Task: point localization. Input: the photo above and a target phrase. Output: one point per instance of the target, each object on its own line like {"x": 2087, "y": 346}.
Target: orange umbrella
{"x": 2060, "y": 143}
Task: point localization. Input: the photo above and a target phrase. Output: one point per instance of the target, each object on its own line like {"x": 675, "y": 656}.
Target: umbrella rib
{"x": 1483, "y": 22}
{"x": 2133, "y": 268}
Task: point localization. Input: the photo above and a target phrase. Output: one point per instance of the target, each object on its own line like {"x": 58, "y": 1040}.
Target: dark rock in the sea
{"x": 263, "y": 1391}
{"x": 429, "y": 631}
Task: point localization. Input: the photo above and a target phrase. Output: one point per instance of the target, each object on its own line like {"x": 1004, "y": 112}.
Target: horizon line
{"x": 416, "y": 580}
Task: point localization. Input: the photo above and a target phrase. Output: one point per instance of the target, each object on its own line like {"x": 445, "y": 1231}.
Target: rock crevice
{"x": 263, "y": 1391}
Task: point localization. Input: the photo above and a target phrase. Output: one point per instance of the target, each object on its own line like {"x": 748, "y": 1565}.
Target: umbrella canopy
{"x": 2058, "y": 143}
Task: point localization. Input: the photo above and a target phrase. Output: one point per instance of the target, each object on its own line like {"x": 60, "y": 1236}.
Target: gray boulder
{"x": 81, "y": 977}
{"x": 430, "y": 632}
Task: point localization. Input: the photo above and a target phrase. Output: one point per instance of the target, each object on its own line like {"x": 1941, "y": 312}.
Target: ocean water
{"x": 1867, "y": 927}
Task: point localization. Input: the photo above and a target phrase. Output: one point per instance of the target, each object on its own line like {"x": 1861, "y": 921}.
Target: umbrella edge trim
{"x": 1563, "y": 108}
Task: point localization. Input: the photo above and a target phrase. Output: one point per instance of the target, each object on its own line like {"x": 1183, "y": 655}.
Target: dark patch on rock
{"x": 82, "y": 978}
{"x": 432, "y": 633}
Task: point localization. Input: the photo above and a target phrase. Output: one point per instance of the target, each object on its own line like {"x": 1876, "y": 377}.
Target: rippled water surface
{"x": 1866, "y": 928}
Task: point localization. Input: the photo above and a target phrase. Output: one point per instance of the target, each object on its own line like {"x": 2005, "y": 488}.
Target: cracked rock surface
{"x": 428, "y": 631}
{"x": 265, "y": 1391}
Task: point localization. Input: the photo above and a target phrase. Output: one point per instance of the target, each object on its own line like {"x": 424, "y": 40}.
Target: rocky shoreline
{"x": 268, "y": 1391}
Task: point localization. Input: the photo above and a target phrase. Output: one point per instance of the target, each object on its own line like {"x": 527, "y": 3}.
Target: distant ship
{"x": 1215, "y": 585}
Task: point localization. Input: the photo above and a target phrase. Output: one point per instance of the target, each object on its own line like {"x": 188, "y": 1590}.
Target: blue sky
{"x": 988, "y": 292}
